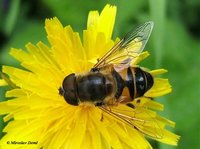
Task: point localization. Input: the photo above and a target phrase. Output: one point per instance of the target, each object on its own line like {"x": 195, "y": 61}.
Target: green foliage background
{"x": 174, "y": 45}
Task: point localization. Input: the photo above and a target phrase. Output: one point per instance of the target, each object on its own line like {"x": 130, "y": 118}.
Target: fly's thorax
{"x": 94, "y": 87}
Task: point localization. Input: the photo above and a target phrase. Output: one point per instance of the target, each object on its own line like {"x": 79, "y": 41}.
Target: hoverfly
{"x": 112, "y": 81}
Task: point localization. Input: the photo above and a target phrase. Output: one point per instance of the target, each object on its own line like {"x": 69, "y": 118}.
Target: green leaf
{"x": 32, "y": 31}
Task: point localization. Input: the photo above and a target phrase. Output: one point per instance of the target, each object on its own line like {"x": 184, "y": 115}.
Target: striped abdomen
{"x": 131, "y": 83}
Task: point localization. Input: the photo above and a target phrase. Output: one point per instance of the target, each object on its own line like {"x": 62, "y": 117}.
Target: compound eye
{"x": 71, "y": 99}
{"x": 70, "y": 89}
{"x": 69, "y": 82}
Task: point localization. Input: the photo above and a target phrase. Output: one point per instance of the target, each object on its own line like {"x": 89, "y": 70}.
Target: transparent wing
{"x": 140, "y": 118}
{"x": 128, "y": 48}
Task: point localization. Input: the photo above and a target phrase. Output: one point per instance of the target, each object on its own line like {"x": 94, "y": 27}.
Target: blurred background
{"x": 174, "y": 45}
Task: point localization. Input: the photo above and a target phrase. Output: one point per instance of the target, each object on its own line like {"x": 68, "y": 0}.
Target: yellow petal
{"x": 66, "y": 46}
{"x": 159, "y": 88}
{"x": 169, "y": 138}
{"x": 3, "y": 82}
{"x": 97, "y": 38}
{"x": 142, "y": 56}
{"x": 158, "y": 72}
{"x": 104, "y": 22}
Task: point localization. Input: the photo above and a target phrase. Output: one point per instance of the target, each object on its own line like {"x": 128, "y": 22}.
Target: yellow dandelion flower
{"x": 38, "y": 117}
